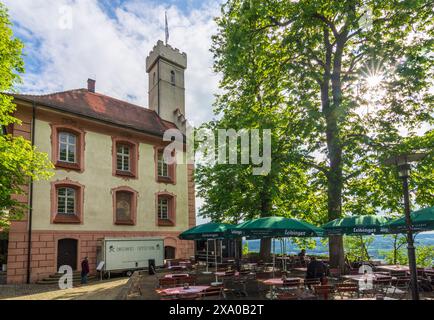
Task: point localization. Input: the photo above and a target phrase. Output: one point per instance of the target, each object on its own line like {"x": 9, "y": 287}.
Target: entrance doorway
{"x": 169, "y": 252}
{"x": 67, "y": 253}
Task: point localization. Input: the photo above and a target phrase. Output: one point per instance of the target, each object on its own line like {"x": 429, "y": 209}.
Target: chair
{"x": 421, "y": 272}
{"x": 263, "y": 275}
{"x": 308, "y": 283}
{"x": 335, "y": 273}
{"x": 287, "y": 296}
{"x": 190, "y": 280}
{"x": 167, "y": 282}
{"x": 398, "y": 274}
{"x": 213, "y": 292}
{"x": 382, "y": 285}
{"x": 401, "y": 286}
{"x": 291, "y": 284}
{"x": 168, "y": 298}
{"x": 189, "y": 296}
{"x": 323, "y": 291}
{"x": 347, "y": 287}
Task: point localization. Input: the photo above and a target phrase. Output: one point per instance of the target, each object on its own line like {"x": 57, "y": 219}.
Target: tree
{"x": 19, "y": 160}
{"x": 357, "y": 248}
{"x": 343, "y": 85}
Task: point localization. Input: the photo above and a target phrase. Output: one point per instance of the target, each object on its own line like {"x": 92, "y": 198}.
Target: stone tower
{"x": 165, "y": 67}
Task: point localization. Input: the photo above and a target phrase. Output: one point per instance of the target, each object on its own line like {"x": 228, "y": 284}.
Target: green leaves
{"x": 19, "y": 160}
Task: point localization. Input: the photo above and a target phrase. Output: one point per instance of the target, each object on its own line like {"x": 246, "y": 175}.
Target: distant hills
{"x": 380, "y": 244}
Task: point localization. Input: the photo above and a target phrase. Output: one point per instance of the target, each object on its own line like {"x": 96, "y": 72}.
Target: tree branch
{"x": 329, "y": 23}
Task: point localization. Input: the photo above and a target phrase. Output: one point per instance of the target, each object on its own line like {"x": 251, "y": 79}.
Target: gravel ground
{"x": 99, "y": 290}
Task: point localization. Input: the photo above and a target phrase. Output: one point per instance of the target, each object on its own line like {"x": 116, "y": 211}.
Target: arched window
{"x": 172, "y": 77}
{"x": 154, "y": 79}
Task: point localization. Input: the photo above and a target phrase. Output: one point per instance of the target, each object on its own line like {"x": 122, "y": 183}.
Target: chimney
{"x": 91, "y": 85}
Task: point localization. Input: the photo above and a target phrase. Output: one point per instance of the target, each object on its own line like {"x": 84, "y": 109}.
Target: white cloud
{"x": 113, "y": 48}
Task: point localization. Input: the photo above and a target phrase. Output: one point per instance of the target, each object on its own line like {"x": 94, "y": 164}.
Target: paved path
{"x": 100, "y": 290}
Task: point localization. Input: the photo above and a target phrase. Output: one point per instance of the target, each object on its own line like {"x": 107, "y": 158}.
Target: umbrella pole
{"x": 215, "y": 257}
{"x": 274, "y": 254}
{"x": 207, "y": 260}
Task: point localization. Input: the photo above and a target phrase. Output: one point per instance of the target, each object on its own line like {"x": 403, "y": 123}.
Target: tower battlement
{"x": 166, "y": 52}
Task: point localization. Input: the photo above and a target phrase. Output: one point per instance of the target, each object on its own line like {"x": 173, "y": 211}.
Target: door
{"x": 67, "y": 253}
{"x": 169, "y": 252}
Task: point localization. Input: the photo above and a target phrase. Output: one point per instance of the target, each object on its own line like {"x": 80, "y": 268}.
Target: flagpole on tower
{"x": 166, "y": 27}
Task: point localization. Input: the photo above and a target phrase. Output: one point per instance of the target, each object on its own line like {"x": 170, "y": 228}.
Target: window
{"x": 163, "y": 208}
{"x": 166, "y": 209}
{"x": 154, "y": 78}
{"x": 67, "y": 147}
{"x": 124, "y": 205}
{"x": 67, "y": 144}
{"x": 66, "y": 202}
{"x": 172, "y": 77}
{"x": 164, "y": 172}
{"x": 123, "y": 157}
{"x": 163, "y": 167}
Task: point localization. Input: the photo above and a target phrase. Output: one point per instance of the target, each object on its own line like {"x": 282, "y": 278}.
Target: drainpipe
{"x": 29, "y": 218}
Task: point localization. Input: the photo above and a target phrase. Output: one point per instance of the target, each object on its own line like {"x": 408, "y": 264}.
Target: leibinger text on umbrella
{"x": 364, "y": 230}
{"x": 295, "y": 233}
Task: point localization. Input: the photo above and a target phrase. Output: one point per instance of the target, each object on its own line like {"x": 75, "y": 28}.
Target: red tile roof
{"x": 104, "y": 108}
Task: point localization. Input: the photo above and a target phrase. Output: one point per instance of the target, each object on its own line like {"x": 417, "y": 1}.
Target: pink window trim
{"x": 134, "y": 158}
{"x": 133, "y": 220}
{"x": 79, "y": 201}
{"x": 172, "y": 209}
{"x": 55, "y": 129}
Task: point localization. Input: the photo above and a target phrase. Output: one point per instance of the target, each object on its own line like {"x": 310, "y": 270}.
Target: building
{"x": 110, "y": 179}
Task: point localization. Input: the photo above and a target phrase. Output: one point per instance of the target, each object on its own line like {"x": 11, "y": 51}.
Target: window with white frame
{"x": 123, "y": 157}
{"x": 163, "y": 167}
{"x": 163, "y": 208}
{"x": 67, "y": 147}
{"x": 66, "y": 199}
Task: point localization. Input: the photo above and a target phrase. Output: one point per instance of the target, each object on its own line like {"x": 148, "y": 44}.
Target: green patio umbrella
{"x": 211, "y": 230}
{"x": 276, "y": 227}
{"x": 208, "y": 231}
{"x": 358, "y": 225}
{"x": 421, "y": 220}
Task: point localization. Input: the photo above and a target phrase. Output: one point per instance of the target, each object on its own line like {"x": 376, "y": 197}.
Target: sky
{"x": 68, "y": 41}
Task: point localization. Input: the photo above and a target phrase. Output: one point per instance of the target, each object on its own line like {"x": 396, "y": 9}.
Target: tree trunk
{"x": 265, "y": 251}
{"x": 266, "y": 203}
{"x": 332, "y": 112}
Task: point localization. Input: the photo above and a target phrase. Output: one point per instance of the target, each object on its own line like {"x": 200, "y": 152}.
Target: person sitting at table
{"x": 302, "y": 257}
{"x": 316, "y": 269}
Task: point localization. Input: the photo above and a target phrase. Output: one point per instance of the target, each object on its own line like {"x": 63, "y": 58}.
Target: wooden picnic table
{"x": 176, "y": 275}
{"x": 177, "y": 267}
{"x": 393, "y": 268}
{"x": 180, "y": 290}
{"x": 274, "y": 282}
{"x": 279, "y": 281}
{"x": 362, "y": 277}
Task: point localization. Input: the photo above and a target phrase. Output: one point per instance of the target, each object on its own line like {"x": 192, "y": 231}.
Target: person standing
{"x": 84, "y": 270}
